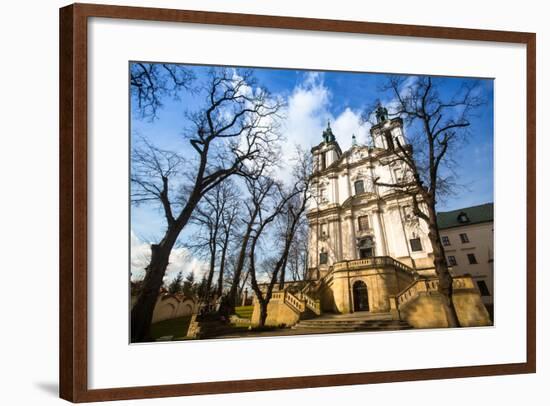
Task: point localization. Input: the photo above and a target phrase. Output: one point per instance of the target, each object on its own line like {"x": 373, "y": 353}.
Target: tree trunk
{"x": 142, "y": 312}
{"x": 441, "y": 269}
{"x": 232, "y": 296}
{"x": 211, "y": 271}
{"x": 222, "y": 266}
{"x": 263, "y": 312}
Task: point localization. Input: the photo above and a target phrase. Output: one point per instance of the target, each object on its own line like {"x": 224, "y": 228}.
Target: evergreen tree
{"x": 176, "y": 284}
{"x": 189, "y": 287}
{"x": 202, "y": 289}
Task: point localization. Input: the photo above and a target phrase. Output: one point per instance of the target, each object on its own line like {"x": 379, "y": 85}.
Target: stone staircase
{"x": 359, "y": 321}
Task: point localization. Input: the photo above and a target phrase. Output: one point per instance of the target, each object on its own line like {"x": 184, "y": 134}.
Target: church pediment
{"x": 360, "y": 199}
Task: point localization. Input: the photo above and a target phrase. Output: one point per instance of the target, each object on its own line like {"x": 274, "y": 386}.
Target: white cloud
{"x": 347, "y": 124}
{"x": 307, "y": 113}
{"x": 180, "y": 260}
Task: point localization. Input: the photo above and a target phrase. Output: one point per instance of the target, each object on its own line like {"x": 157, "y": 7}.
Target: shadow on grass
{"x": 174, "y": 327}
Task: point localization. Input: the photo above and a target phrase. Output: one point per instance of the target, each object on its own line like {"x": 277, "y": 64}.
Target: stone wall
{"x": 171, "y": 306}
{"x": 470, "y": 310}
{"x": 427, "y": 309}
{"x": 278, "y": 313}
{"x": 381, "y": 283}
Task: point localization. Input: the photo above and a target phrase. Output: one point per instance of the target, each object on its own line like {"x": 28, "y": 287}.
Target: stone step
{"x": 358, "y": 316}
{"x": 390, "y": 325}
{"x": 353, "y": 322}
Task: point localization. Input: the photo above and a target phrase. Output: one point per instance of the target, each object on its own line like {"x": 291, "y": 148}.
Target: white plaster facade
{"x": 350, "y": 217}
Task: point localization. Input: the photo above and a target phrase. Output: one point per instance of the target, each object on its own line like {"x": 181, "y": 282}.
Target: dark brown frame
{"x": 73, "y": 201}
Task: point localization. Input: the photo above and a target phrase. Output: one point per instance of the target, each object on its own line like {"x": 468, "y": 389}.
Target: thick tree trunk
{"x": 263, "y": 313}
{"x": 142, "y": 312}
{"x": 441, "y": 269}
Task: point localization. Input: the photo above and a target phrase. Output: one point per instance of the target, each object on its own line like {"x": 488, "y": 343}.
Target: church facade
{"x": 364, "y": 234}
{"x": 369, "y": 256}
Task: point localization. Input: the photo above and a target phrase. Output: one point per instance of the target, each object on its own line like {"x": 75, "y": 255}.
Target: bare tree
{"x": 236, "y": 128}
{"x": 289, "y": 207}
{"x": 259, "y": 190}
{"x": 437, "y": 126}
{"x": 214, "y": 216}
{"x": 297, "y": 256}
{"x": 151, "y": 82}
{"x": 295, "y": 209}
{"x": 228, "y": 222}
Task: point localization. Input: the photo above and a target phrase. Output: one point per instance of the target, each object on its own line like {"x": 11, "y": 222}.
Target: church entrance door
{"x": 360, "y": 297}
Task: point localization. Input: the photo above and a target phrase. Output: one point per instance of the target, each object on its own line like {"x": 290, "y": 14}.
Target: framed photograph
{"x": 254, "y": 202}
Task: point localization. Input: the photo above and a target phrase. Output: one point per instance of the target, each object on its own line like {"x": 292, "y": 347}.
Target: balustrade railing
{"x": 373, "y": 262}
{"x": 299, "y": 302}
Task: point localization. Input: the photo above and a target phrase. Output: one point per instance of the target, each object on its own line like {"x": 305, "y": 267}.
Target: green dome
{"x": 328, "y": 135}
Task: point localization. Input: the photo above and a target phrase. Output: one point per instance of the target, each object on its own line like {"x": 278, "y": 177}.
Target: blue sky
{"x": 313, "y": 98}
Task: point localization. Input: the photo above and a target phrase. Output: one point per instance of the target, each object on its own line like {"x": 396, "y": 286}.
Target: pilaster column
{"x": 333, "y": 179}
{"x": 381, "y": 249}
{"x": 352, "y": 241}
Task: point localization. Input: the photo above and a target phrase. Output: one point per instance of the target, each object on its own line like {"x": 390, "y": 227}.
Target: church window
{"x": 483, "y": 289}
{"x": 445, "y": 241}
{"x": 451, "y": 260}
{"x": 366, "y": 248}
{"x": 359, "y": 187}
{"x": 464, "y": 238}
{"x": 323, "y": 161}
{"x": 363, "y": 223}
{"x": 472, "y": 259}
{"x": 323, "y": 258}
{"x": 416, "y": 245}
{"x": 389, "y": 140}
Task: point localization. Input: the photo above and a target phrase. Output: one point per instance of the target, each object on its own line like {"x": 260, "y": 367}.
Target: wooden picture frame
{"x": 74, "y": 201}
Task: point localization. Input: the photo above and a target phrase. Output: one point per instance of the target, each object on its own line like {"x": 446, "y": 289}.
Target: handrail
{"x": 294, "y": 302}
{"x": 373, "y": 262}
{"x": 298, "y": 303}
{"x": 312, "y": 304}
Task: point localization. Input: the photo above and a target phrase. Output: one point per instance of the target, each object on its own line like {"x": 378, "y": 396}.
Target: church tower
{"x": 327, "y": 152}
{"x": 387, "y": 133}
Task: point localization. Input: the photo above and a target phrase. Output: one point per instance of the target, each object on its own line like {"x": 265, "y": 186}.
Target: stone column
{"x": 334, "y": 183}
{"x": 381, "y": 249}
{"x": 352, "y": 241}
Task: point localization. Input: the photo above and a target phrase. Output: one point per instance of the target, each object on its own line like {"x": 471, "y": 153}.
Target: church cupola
{"x": 381, "y": 114}
{"x": 327, "y": 152}
{"x": 328, "y": 135}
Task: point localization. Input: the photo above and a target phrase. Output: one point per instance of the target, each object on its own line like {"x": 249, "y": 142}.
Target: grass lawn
{"x": 244, "y": 312}
{"x": 173, "y": 327}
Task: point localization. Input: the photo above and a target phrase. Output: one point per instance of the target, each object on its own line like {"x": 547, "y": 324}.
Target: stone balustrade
{"x": 372, "y": 262}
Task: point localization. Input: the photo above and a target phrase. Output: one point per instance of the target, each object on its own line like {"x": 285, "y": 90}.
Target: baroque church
{"x": 370, "y": 261}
